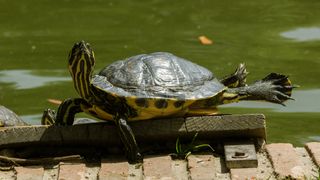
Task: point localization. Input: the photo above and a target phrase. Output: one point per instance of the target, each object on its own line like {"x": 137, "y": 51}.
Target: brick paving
{"x": 280, "y": 160}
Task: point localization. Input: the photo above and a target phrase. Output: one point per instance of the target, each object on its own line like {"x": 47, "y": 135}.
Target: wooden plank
{"x": 239, "y": 126}
{"x": 240, "y": 155}
{"x": 104, "y": 134}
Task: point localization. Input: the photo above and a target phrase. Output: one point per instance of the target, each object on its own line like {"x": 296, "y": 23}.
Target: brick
{"x": 314, "y": 151}
{"x": 179, "y": 168}
{"x": 157, "y": 167}
{"x": 92, "y": 170}
{"x": 201, "y": 166}
{"x": 310, "y": 170}
{"x": 112, "y": 168}
{"x": 135, "y": 172}
{"x": 264, "y": 170}
{"x": 243, "y": 173}
{"x": 285, "y": 160}
{"x": 29, "y": 173}
{"x": 70, "y": 171}
{"x": 7, "y": 175}
{"x": 51, "y": 172}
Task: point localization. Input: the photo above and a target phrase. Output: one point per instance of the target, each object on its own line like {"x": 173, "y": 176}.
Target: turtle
{"x": 156, "y": 85}
{"x": 9, "y": 118}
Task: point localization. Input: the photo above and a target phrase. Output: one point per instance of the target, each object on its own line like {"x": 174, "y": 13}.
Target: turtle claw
{"x": 280, "y": 88}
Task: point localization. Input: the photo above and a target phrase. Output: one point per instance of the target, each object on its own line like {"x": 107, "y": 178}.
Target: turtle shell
{"x": 9, "y": 118}
{"x": 157, "y": 75}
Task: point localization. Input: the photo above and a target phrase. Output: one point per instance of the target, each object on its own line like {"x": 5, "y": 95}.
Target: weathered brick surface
{"x": 243, "y": 173}
{"x": 92, "y": 170}
{"x": 51, "y": 172}
{"x": 179, "y": 169}
{"x": 285, "y": 160}
{"x": 7, "y": 175}
{"x": 113, "y": 169}
{"x": 314, "y": 151}
{"x": 157, "y": 167}
{"x": 69, "y": 171}
{"x": 29, "y": 173}
{"x": 201, "y": 166}
{"x": 265, "y": 170}
{"x": 135, "y": 172}
{"x": 310, "y": 170}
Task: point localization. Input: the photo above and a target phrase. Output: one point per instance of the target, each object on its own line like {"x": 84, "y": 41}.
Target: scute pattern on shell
{"x": 9, "y": 118}
{"x": 159, "y": 75}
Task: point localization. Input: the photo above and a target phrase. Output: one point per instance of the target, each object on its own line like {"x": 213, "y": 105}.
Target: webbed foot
{"x": 274, "y": 88}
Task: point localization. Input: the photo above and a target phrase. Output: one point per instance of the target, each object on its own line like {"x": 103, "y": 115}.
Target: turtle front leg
{"x": 275, "y": 88}
{"x": 66, "y": 111}
{"x": 128, "y": 139}
{"x": 48, "y": 117}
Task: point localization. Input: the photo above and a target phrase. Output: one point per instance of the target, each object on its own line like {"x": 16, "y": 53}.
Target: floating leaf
{"x": 54, "y": 101}
{"x": 204, "y": 40}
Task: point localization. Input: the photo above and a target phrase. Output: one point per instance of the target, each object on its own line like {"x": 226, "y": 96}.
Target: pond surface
{"x": 269, "y": 36}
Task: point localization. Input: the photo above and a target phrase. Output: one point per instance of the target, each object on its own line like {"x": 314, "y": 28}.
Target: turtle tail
{"x": 237, "y": 79}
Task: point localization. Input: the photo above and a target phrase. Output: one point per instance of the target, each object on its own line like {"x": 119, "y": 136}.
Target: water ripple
{"x": 303, "y": 34}
{"x": 24, "y": 79}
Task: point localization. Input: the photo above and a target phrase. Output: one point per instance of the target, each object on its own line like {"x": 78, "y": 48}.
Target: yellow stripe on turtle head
{"x": 81, "y": 64}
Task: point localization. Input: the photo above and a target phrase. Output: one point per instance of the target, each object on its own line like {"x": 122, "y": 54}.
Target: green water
{"x": 280, "y": 36}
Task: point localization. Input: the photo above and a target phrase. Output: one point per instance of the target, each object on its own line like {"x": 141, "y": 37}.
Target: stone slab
{"x": 240, "y": 155}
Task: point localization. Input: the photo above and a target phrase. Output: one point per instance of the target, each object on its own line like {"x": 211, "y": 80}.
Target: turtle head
{"x": 81, "y": 63}
{"x": 81, "y": 52}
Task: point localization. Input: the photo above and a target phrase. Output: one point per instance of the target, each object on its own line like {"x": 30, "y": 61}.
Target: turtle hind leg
{"x": 128, "y": 139}
{"x": 275, "y": 88}
{"x": 237, "y": 79}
